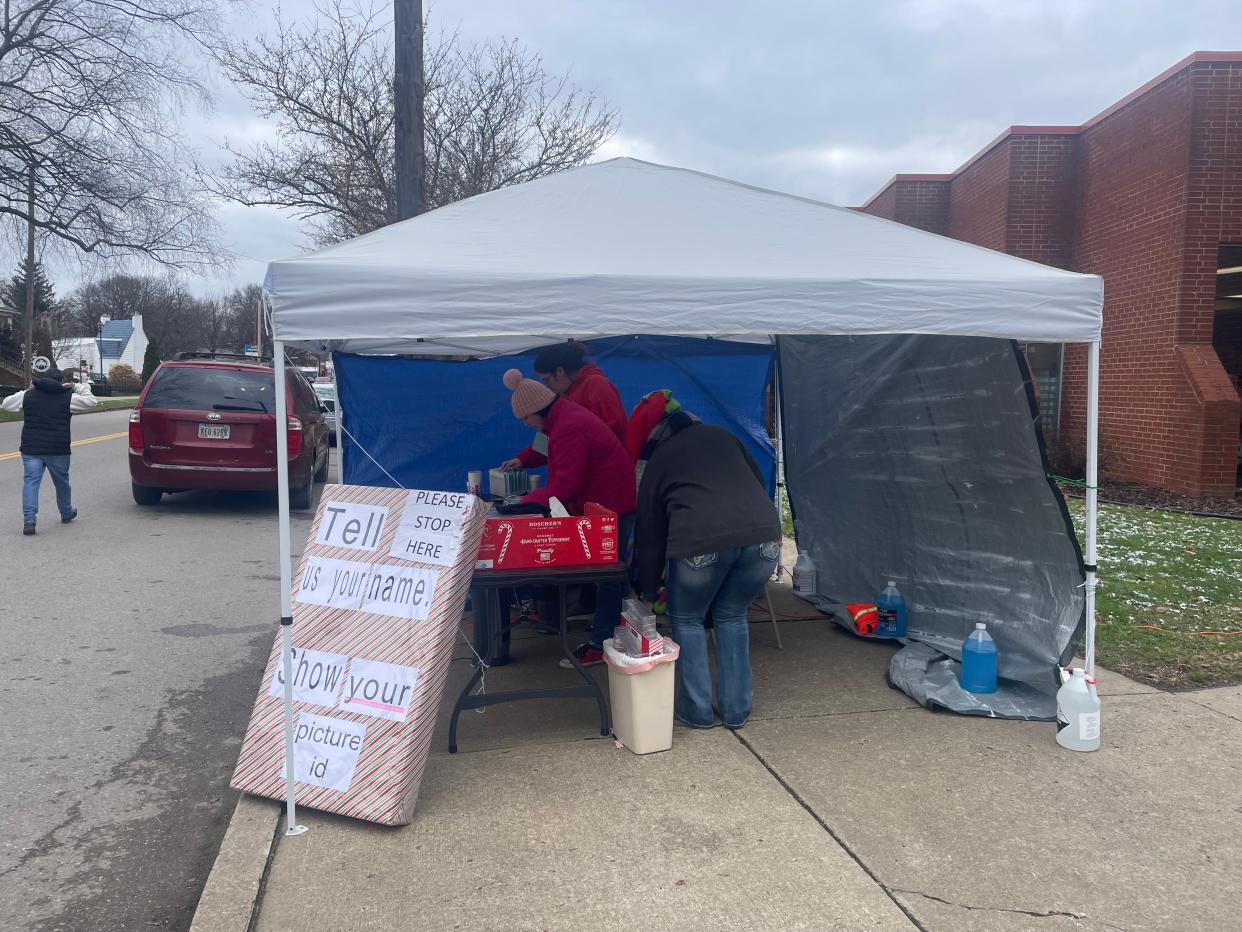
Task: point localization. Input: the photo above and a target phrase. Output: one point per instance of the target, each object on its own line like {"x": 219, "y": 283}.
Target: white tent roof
{"x": 624, "y": 247}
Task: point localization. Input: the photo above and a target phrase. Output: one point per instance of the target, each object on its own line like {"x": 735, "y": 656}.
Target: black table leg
{"x": 604, "y": 724}
{"x": 489, "y": 640}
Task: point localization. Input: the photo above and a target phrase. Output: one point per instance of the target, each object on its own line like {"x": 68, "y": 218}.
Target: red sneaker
{"x": 588, "y": 655}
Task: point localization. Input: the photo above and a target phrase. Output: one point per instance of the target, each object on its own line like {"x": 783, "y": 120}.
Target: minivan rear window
{"x": 213, "y": 389}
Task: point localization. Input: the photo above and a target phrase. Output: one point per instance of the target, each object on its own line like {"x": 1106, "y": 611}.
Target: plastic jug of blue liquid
{"x": 890, "y": 613}
{"x": 979, "y": 661}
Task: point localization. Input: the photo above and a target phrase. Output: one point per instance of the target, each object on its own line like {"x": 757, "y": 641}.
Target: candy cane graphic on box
{"x": 582, "y": 529}
{"x": 373, "y": 638}
{"x": 504, "y": 548}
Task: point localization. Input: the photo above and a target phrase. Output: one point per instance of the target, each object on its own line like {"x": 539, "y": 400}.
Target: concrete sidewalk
{"x": 842, "y": 805}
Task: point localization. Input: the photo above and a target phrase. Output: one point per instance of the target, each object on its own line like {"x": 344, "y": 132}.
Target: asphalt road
{"x": 133, "y": 641}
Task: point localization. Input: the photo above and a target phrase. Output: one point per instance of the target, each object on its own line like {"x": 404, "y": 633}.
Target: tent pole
{"x": 780, "y": 439}
{"x": 1092, "y": 477}
{"x": 286, "y": 577}
{"x": 336, "y": 427}
{"x": 780, "y": 475}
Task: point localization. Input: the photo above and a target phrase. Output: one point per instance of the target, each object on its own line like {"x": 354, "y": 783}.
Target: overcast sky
{"x": 826, "y": 99}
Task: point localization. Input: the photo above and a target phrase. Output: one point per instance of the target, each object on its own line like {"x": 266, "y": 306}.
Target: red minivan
{"x": 209, "y": 422}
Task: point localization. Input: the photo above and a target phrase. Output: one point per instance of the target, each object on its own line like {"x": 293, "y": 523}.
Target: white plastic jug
{"x": 804, "y": 574}
{"x": 1078, "y": 713}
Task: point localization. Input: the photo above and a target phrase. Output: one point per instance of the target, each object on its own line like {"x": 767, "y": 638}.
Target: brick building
{"x": 1149, "y": 195}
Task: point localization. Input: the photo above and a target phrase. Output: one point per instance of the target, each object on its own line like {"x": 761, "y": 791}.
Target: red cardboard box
{"x": 520, "y": 542}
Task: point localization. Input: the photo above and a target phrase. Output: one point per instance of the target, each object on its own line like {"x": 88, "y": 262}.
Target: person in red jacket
{"x": 563, "y": 368}
{"x": 586, "y": 463}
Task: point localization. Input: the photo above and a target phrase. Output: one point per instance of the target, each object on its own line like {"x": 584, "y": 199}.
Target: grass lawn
{"x": 118, "y": 403}
{"x": 1165, "y": 580}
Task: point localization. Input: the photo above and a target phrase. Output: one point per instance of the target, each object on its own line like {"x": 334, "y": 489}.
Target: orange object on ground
{"x": 864, "y": 616}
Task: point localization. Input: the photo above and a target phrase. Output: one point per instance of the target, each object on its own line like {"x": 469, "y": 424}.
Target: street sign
{"x": 251, "y": 350}
{"x": 372, "y": 638}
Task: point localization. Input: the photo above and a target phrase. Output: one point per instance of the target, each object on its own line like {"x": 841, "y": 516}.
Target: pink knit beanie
{"x": 529, "y": 396}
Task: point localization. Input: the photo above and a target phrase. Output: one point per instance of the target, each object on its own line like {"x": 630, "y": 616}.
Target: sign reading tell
{"x": 346, "y": 524}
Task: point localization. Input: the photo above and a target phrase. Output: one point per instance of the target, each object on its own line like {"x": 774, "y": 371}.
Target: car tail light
{"x": 295, "y": 436}
{"x": 135, "y": 431}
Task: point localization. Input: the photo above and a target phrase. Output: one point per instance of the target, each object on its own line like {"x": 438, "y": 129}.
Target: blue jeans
{"x": 32, "y": 478}
{"x": 726, "y": 583}
{"x": 609, "y": 596}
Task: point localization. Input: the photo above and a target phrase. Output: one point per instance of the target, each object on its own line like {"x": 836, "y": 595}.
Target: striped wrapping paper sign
{"x": 373, "y": 638}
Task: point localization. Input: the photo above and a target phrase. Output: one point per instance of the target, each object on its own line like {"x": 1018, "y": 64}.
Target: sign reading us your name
{"x": 399, "y": 591}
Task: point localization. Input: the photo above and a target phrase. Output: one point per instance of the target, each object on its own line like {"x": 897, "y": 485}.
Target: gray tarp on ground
{"x": 917, "y": 458}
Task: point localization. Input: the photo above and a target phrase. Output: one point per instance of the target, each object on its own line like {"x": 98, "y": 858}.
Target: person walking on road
{"x": 47, "y": 406}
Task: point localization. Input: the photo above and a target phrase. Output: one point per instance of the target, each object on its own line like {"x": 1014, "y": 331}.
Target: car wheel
{"x": 145, "y": 495}
{"x": 321, "y": 474}
{"x": 300, "y": 497}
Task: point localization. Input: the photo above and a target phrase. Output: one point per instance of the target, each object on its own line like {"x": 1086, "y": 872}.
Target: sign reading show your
{"x": 351, "y": 684}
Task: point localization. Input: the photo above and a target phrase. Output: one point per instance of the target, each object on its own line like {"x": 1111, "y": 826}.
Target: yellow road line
{"x": 76, "y": 443}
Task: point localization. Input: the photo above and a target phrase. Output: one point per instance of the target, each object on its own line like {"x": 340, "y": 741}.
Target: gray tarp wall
{"x": 918, "y": 459}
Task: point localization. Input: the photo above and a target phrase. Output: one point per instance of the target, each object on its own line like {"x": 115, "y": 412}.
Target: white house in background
{"x": 122, "y": 341}
{"x": 119, "y": 341}
{"x": 70, "y": 352}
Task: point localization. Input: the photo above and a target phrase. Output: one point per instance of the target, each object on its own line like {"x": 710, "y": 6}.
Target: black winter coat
{"x": 45, "y": 431}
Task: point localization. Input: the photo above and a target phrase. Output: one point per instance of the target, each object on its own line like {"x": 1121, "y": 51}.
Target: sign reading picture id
{"x": 377, "y": 599}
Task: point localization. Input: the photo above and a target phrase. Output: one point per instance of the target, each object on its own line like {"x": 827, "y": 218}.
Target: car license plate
{"x": 213, "y": 431}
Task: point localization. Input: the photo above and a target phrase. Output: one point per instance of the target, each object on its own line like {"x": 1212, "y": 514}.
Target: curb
{"x": 236, "y": 879}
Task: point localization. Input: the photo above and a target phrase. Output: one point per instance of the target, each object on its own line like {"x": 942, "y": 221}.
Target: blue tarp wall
{"x": 430, "y": 421}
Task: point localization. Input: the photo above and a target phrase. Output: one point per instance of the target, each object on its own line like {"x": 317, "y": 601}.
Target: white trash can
{"x": 641, "y": 694}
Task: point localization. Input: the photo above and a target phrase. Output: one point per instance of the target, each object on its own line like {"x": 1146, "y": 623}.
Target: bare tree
{"x": 117, "y": 297}
{"x": 215, "y": 325}
{"x": 243, "y": 326}
{"x": 182, "y": 322}
{"x": 171, "y": 316}
{"x": 493, "y": 116}
{"x": 90, "y": 93}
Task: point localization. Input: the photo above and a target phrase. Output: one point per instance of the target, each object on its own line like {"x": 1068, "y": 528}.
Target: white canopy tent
{"x": 625, "y": 247}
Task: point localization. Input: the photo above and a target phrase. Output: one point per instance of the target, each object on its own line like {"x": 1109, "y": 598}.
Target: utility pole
{"x": 409, "y": 89}
{"x": 30, "y": 277}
